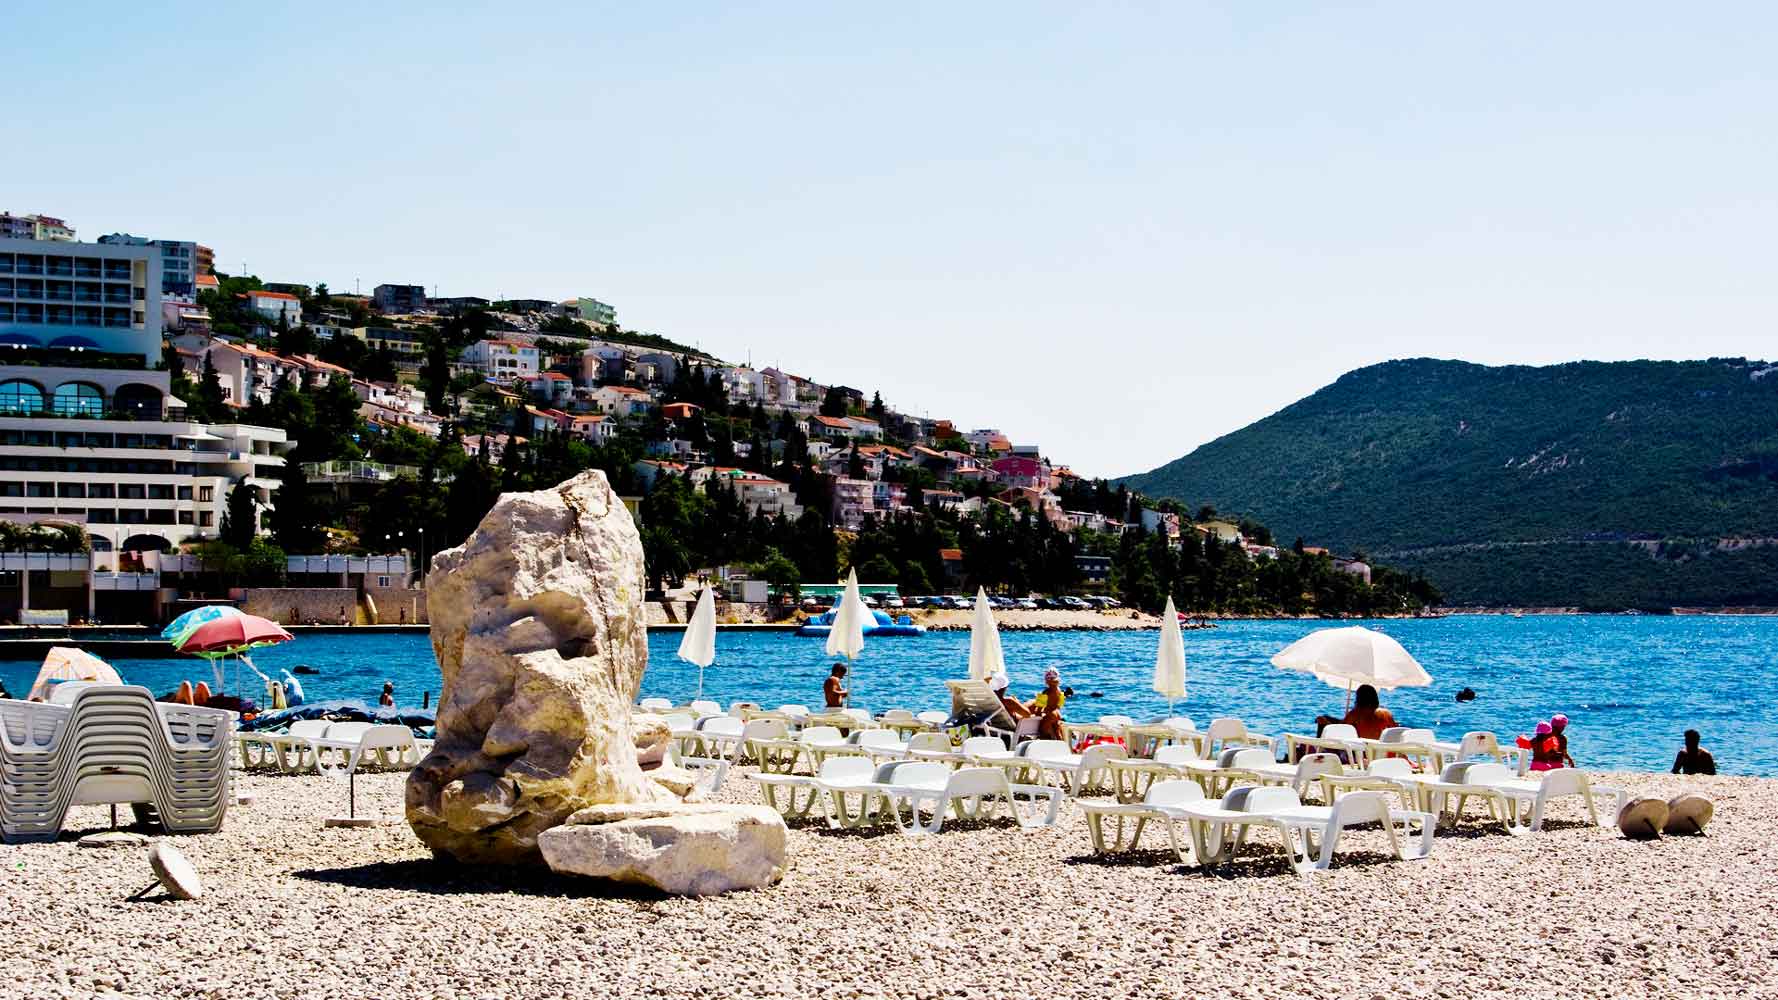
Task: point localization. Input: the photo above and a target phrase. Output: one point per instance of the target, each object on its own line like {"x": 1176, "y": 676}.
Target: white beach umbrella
{"x": 846, "y": 636}
{"x": 985, "y": 657}
{"x": 1169, "y": 660}
{"x": 1348, "y": 657}
{"x": 698, "y": 644}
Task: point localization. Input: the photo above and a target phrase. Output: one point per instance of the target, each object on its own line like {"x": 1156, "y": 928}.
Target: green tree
{"x": 240, "y": 518}
{"x": 297, "y": 520}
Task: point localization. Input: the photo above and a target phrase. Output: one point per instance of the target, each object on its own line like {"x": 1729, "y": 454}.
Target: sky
{"x": 1115, "y": 232}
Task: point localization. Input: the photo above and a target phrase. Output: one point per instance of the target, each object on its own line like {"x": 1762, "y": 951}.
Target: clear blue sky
{"x": 1116, "y": 233}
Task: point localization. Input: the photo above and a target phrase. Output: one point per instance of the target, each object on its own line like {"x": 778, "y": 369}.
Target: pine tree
{"x": 240, "y": 519}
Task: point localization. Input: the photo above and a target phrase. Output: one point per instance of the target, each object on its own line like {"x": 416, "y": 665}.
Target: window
{"x": 79, "y": 399}
{"x": 18, "y": 396}
{"x": 382, "y": 581}
{"x": 206, "y": 494}
{"x": 185, "y": 493}
{"x": 204, "y": 519}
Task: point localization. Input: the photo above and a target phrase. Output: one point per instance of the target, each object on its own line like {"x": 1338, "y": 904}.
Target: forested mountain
{"x": 1621, "y": 484}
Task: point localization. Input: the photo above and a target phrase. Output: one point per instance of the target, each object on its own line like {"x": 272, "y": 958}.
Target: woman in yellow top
{"x": 1047, "y": 706}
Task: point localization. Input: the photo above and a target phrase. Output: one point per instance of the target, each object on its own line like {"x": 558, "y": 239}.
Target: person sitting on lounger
{"x": 834, "y": 688}
{"x": 1047, "y": 706}
{"x": 1367, "y": 715}
{"x": 1694, "y": 759}
{"x": 1013, "y": 707}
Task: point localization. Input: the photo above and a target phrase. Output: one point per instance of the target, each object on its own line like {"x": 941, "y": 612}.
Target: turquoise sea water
{"x": 1630, "y": 685}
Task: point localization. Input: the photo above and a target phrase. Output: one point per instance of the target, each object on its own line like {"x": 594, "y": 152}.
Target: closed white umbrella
{"x": 1348, "y": 657}
{"x": 846, "y": 637}
{"x": 698, "y": 644}
{"x": 1169, "y": 660}
{"x": 985, "y": 657}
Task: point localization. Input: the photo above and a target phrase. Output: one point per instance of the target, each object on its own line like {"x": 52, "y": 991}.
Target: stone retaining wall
{"x": 302, "y": 605}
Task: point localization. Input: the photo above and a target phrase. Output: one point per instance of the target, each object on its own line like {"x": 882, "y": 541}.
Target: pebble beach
{"x": 293, "y": 910}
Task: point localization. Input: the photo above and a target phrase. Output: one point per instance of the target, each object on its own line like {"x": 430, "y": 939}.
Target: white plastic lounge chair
{"x": 113, "y": 744}
{"x": 1132, "y": 777}
{"x": 1230, "y": 732}
{"x": 1110, "y": 726}
{"x": 975, "y": 700}
{"x": 718, "y": 737}
{"x": 1159, "y": 805}
{"x": 372, "y": 742}
{"x": 655, "y": 705}
{"x": 879, "y": 744}
{"x": 932, "y": 718}
{"x": 973, "y": 793}
{"x": 1144, "y": 738}
{"x": 1074, "y": 772}
{"x": 902, "y": 722}
{"x": 798, "y": 796}
{"x": 1301, "y": 776}
{"x": 1387, "y": 774}
{"x": 933, "y": 746}
{"x": 1301, "y": 825}
{"x": 1507, "y": 795}
{"x": 1233, "y": 764}
{"x": 1336, "y": 737}
{"x": 767, "y": 743}
{"x": 702, "y": 708}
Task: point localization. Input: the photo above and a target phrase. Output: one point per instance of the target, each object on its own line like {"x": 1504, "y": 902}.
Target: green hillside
{"x": 1520, "y": 484}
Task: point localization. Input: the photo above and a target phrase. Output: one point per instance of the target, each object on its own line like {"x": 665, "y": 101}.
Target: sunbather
{"x": 833, "y": 690}
{"x": 1047, "y": 706}
{"x": 1694, "y": 759}
{"x": 1367, "y": 715}
{"x": 1013, "y": 707}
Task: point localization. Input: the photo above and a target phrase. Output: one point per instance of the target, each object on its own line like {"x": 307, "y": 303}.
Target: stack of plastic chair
{"x": 112, "y": 744}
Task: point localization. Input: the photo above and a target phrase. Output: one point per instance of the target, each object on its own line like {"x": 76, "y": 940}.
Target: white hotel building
{"x": 89, "y": 433}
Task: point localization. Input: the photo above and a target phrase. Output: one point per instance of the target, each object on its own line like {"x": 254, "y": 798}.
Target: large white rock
{"x": 688, "y": 849}
{"x": 538, "y": 628}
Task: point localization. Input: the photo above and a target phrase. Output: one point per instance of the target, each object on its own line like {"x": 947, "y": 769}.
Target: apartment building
{"x": 107, "y": 449}
{"x": 34, "y": 227}
{"x": 182, "y": 262}
{"x": 398, "y": 298}
{"x": 503, "y": 359}
{"x": 56, "y": 294}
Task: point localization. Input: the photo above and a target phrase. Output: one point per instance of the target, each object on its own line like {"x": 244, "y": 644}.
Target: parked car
{"x": 1026, "y": 604}
{"x": 870, "y": 600}
{"x": 894, "y": 602}
{"x": 1074, "y": 603}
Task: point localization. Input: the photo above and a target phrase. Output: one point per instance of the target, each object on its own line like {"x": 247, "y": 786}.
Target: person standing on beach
{"x": 833, "y": 690}
{"x": 1694, "y": 759}
{"x": 388, "y": 698}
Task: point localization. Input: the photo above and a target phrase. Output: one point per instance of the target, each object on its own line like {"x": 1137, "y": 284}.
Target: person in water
{"x": 1047, "y": 706}
{"x": 1694, "y": 759}
{"x": 1367, "y": 715}
{"x": 388, "y": 698}
{"x": 833, "y": 690}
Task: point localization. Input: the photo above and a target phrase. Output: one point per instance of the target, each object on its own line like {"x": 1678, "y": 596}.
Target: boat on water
{"x": 822, "y": 624}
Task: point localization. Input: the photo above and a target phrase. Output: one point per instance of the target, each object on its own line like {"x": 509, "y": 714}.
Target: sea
{"x": 1630, "y": 685}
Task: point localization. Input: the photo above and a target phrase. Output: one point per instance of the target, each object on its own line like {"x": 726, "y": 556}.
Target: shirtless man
{"x": 1694, "y": 759}
{"x": 834, "y": 688}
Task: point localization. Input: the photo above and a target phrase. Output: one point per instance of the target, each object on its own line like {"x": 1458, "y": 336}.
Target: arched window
{"x": 141, "y": 402}
{"x": 19, "y": 396}
{"x": 79, "y": 399}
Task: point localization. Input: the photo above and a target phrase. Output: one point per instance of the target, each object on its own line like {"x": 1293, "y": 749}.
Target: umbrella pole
{"x": 1349, "y": 683}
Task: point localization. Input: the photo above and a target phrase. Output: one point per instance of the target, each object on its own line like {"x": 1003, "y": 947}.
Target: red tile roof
{"x": 950, "y": 555}
{"x": 272, "y": 295}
